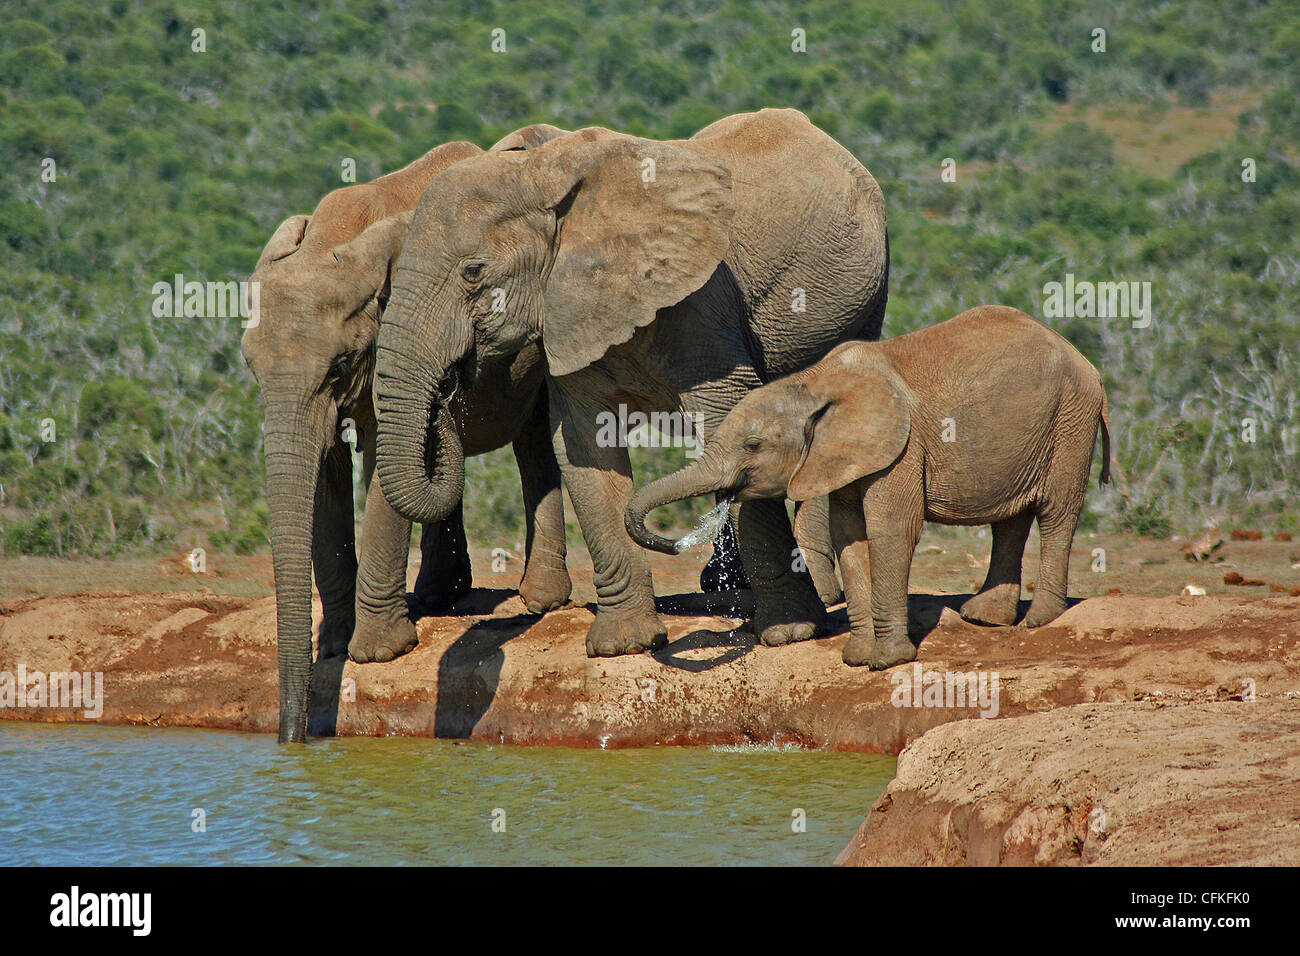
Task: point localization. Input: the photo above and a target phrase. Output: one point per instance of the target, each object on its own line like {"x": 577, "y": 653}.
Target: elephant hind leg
{"x": 787, "y": 607}
{"x": 724, "y": 571}
{"x": 1056, "y": 534}
{"x": 445, "y": 575}
{"x": 998, "y": 600}
{"x": 1058, "y": 511}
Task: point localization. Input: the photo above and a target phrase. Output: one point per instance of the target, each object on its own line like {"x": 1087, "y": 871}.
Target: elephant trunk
{"x": 701, "y": 478}
{"x": 293, "y": 456}
{"x": 422, "y": 475}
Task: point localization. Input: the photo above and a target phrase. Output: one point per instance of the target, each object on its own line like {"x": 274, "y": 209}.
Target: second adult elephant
{"x": 323, "y": 282}
{"x": 657, "y": 276}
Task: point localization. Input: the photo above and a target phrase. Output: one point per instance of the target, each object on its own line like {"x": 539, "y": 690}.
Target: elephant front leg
{"x": 384, "y": 629}
{"x": 546, "y": 584}
{"x": 786, "y": 605}
{"x": 599, "y": 480}
{"x": 812, "y": 531}
{"x": 894, "y": 509}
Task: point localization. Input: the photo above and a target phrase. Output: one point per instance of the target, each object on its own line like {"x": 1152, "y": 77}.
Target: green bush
{"x": 1146, "y": 519}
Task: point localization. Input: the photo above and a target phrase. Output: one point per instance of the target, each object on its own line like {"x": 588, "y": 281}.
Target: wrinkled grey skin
{"x": 988, "y": 418}
{"x": 323, "y": 282}
{"x": 662, "y": 276}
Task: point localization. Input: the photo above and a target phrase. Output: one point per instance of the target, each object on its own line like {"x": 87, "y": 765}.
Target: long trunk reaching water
{"x": 293, "y": 453}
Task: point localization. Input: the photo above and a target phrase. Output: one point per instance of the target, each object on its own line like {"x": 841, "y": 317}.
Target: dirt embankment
{"x": 493, "y": 673}
{"x": 1110, "y": 784}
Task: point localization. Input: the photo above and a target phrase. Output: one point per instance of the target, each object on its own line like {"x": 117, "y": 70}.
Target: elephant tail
{"x": 1105, "y": 442}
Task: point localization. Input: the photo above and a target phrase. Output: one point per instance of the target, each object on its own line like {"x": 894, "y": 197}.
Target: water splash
{"x": 759, "y": 748}
{"x": 706, "y": 530}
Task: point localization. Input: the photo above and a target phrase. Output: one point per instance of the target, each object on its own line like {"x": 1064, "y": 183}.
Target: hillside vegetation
{"x": 1169, "y": 158}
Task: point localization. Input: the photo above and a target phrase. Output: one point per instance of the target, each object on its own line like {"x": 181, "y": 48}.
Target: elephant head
{"x": 800, "y": 437}
{"x": 575, "y": 244}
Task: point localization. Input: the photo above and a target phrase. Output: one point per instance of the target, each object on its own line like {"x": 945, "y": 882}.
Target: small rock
{"x": 1232, "y": 577}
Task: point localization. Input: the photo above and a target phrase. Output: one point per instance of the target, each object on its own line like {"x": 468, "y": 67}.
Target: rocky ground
{"x": 1162, "y": 782}
{"x": 1137, "y": 707}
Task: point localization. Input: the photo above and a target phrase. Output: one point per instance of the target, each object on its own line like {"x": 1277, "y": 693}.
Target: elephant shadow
{"x": 470, "y": 669}
{"x": 325, "y": 686}
{"x": 924, "y": 612}
{"x": 731, "y": 645}
{"x": 468, "y": 673}
{"x": 324, "y": 694}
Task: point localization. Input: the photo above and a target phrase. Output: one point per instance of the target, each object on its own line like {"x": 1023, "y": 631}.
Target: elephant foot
{"x": 1043, "y": 609}
{"x": 335, "y": 634}
{"x": 858, "y": 649}
{"x": 619, "y": 632}
{"x": 382, "y": 639}
{"x": 995, "y": 607}
{"x": 866, "y": 649}
{"x": 785, "y": 622}
{"x": 427, "y": 602}
{"x": 545, "y": 590}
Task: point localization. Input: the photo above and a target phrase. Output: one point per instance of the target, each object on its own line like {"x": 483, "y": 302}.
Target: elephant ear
{"x": 286, "y": 239}
{"x": 640, "y": 225}
{"x": 368, "y": 259}
{"x": 527, "y": 137}
{"x": 860, "y": 423}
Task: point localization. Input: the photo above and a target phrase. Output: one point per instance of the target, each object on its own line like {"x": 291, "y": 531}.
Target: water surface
{"x": 88, "y": 795}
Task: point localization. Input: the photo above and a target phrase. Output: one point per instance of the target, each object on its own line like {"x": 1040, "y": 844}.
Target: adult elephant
{"x": 657, "y": 276}
{"x": 323, "y": 282}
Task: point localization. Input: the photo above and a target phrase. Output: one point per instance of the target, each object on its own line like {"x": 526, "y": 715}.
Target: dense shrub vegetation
{"x": 116, "y": 425}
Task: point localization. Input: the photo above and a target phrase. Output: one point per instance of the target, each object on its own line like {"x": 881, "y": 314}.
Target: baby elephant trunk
{"x": 701, "y": 478}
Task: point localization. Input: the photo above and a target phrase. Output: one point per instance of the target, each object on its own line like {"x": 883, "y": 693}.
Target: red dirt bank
{"x": 1106, "y": 784}
{"x": 199, "y": 659}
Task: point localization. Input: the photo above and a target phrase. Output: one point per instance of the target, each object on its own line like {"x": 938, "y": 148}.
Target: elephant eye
{"x": 472, "y": 270}
{"x": 753, "y": 444}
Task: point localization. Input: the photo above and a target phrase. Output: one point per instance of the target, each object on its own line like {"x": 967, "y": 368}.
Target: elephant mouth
{"x": 459, "y": 376}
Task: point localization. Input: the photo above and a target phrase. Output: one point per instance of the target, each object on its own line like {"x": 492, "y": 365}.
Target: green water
{"x": 87, "y": 795}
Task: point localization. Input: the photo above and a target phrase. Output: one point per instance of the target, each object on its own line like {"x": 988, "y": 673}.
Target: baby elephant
{"x": 987, "y": 418}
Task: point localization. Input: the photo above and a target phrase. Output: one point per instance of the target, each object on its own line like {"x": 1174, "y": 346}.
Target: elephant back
{"x": 809, "y": 247}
